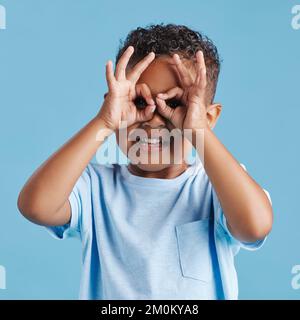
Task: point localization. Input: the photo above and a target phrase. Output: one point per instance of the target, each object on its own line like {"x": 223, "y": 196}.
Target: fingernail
{"x": 153, "y": 108}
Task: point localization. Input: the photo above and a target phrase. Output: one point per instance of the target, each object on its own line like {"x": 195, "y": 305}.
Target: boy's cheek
{"x": 123, "y": 138}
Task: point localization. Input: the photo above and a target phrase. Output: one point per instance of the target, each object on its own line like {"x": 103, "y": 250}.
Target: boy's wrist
{"x": 103, "y": 124}
{"x": 198, "y": 135}
{"x": 103, "y": 129}
{"x": 105, "y": 121}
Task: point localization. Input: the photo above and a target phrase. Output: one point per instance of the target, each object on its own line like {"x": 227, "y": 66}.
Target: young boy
{"x": 154, "y": 229}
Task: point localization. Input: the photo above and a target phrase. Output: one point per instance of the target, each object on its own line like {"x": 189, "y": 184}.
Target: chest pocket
{"x": 193, "y": 241}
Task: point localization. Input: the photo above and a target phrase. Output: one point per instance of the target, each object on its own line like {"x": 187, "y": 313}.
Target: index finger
{"x": 201, "y": 80}
{"x": 122, "y": 64}
{"x": 185, "y": 76}
{"x": 140, "y": 67}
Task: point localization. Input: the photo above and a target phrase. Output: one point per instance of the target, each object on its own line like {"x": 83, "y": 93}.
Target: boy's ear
{"x": 213, "y": 113}
{"x": 105, "y": 94}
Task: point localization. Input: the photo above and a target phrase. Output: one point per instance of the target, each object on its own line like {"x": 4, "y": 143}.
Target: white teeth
{"x": 150, "y": 140}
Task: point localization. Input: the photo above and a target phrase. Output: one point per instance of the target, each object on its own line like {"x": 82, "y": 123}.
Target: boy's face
{"x": 160, "y": 76}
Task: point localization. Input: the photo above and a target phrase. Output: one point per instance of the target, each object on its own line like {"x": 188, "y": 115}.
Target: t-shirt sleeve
{"x": 221, "y": 220}
{"x": 80, "y": 203}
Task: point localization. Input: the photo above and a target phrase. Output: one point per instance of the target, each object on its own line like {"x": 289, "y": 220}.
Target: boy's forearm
{"x": 49, "y": 187}
{"x": 247, "y": 208}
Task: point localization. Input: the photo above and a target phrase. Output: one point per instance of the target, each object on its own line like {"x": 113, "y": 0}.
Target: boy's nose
{"x": 157, "y": 121}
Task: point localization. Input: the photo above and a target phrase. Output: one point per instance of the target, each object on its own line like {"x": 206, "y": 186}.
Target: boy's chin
{"x": 153, "y": 167}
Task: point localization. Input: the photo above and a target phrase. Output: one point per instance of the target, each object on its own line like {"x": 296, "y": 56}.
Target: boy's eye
{"x": 140, "y": 102}
{"x": 174, "y": 103}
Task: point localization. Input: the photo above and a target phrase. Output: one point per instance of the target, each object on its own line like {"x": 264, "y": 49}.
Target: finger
{"x": 164, "y": 109}
{"x": 175, "y": 92}
{"x": 144, "y": 90}
{"x": 201, "y": 79}
{"x": 184, "y": 74}
{"x": 140, "y": 67}
{"x": 198, "y": 69}
{"x": 109, "y": 71}
{"x": 145, "y": 114}
{"x": 123, "y": 62}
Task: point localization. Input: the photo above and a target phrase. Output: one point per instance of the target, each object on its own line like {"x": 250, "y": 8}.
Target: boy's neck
{"x": 170, "y": 172}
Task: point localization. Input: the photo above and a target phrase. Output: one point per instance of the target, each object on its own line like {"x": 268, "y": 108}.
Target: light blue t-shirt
{"x": 148, "y": 238}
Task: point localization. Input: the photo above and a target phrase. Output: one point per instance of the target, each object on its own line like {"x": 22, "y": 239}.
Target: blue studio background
{"x": 52, "y": 81}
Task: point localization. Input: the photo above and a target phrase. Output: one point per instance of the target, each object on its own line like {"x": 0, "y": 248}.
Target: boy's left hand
{"x": 192, "y": 114}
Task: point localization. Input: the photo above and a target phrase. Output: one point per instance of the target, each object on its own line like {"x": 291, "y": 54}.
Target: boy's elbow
{"x": 254, "y": 227}
{"x": 25, "y": 206}
{"x": 261, "y": 231}
{"x": 37, "y": 210}
{"x": 261, "y": 227}
{"x": 29, "y": 207}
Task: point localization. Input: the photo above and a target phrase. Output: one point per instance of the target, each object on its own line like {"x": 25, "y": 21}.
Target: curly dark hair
{"x": 169, "y": 39}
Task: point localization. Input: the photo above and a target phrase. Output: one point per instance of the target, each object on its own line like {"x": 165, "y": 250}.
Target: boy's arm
{"x": 246, "y": 206}
{"x": 44, "y": 198}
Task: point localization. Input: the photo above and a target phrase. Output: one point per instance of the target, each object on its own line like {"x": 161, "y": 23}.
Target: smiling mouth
{"x": 154, "y": 141}
{"x": 151, "y": 143}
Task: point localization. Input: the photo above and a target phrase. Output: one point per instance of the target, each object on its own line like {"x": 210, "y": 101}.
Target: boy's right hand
{"x": 45, "y": 197}
{"x": 119, "y": 104}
